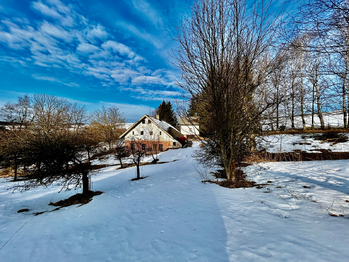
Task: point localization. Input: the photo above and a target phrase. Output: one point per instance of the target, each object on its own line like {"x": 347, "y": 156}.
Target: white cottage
{"x": 153, "y": 133}
{"x": 189, "y": 126}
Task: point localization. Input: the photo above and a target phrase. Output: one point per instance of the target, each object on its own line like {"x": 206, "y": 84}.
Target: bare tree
{"x": 18, "y": 116}
{"x": 119, "y": 151}
{"x": 137, "y": 149}
{"x": 88, "y": 138}
{"x": 220, "y": 47}
{"x": 326, "y": 22}
{"x": 52, "y": 146}
{"x": 108, "y": 123}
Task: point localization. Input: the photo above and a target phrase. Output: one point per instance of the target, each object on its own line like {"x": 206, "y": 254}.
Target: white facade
{"x": 191, "y": 130}
{"x": 154, "y": 130}
{"x": 148, "y": 131}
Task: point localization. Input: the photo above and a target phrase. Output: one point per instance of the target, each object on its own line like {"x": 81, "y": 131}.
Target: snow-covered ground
{"x": 305, "y": 142}
{"x": 172, "y": 216}
{"x": 331, "y": 119}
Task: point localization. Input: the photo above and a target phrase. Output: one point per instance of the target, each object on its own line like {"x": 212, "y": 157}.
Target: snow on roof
{"x": 164, "y": 125}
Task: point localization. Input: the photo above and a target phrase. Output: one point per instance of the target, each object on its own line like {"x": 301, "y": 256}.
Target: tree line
{"x": 245, "y": 66}
{"x": 46, "y": 140}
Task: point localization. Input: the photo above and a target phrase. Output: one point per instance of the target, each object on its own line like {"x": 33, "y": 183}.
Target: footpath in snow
{"x": 172, "y": 216}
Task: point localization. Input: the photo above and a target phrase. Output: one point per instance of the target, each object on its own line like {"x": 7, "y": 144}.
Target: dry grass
{"x": 6, "y": 172}
{"x": 76, "y": 199}
{"x": 306, "y": 131}
{"x": 9, "y": 172}
{"x": 297, "y": 155}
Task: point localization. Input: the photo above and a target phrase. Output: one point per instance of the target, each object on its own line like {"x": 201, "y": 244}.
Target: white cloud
{"x": 124, "y": 75}
{"x": 56, "y": 31}
{"x": 98, "y": 32}
{"x": 154, "y": 40}
{"x": 57, "y": 10}
{"x": 60, "y": 6}
{"x": 118, "y": 47}
{"x": 87, "y": 48}
{"x": 52, "y": 79}
{"x": 75, "y": 101}
{"x": 146, "y": 80}
{"x": 45, "y": 10}
{"x": 148, "y": 11}
{"x": 10, "y": 40}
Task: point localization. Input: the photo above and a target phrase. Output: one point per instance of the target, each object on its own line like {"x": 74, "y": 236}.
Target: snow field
{"x": 305, "y": 142}
{"x": 172, "y": 216}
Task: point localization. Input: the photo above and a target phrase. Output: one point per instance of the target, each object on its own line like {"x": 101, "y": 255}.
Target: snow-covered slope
{"x": 305, "y": 142}
{"x": 331, "y": 119}
{"x": 172, "y": 216}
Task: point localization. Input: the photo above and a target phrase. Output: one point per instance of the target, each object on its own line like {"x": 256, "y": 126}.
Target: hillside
{"x": 299, "y": 214}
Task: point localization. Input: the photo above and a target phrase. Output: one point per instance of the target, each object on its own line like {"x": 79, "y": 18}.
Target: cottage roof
{"x": 164, "y": 125}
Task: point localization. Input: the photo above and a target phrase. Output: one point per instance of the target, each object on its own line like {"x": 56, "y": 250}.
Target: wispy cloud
{"x": 154, "y": 40}
{"x": 66, "y": 39}
{"x": 149, "y": 12}
{"x": 87, "y": 48}
{"x": 52, "y": 79}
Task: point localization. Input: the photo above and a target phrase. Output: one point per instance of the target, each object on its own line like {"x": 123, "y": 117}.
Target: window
{"x": 174, "y": 143}
{"x": 132, "y": 146}
{"x": 149, "y": 122}
{"x": 161, "y": 147}
{"x": 143, "y": 121}
{"x": 143, "y": 146}
{"x": 155, "y": 147}
{"x": 160, "y": 133}
{"x": 150, "y": 133}
{"x": 142, "y": 133}
{"x": 133, "y": 132}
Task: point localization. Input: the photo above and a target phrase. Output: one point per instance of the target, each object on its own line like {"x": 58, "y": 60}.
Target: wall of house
{"x": 189, "y": 130}
{"x": 150, "y": 144}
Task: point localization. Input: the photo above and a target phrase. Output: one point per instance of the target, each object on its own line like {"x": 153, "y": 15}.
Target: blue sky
{"x": 105, "y": 52}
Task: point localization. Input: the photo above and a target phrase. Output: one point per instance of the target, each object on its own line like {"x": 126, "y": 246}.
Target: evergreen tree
{"x": 193, "y": 106}
{"x": 166, "y": 113}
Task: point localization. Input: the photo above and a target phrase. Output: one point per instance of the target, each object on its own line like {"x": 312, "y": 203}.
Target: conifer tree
{"x": 166, "y": 113}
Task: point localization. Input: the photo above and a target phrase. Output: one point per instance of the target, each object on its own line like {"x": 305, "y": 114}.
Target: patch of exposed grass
{"x": 306, "y": 131}
{"x": 77, "y": 199}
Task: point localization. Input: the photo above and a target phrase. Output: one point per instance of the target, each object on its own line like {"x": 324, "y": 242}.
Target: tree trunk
{"x": 236, "y": 178}
{"x": 292, "y": 105}
{"x": 138, "y": 172}
{"x": 229, "y": 171}
{"x": 302, "y": 94}
{"x": 88, "y": 156}
{"x": 345, "y": 93}
{"x": 16, "y": 168}
{"x": 347, "y": 107}
{"x": 319, "y": 107}
{"x": 277, "y": 108}
{"x": 121, "y": 162}
{"x": 313, "y": 108}
{"x": 85, "y": 184}
{"x": 344, "y": 104}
